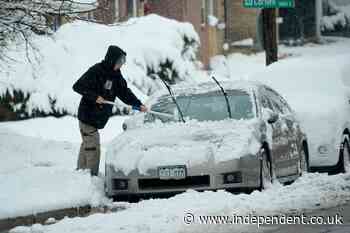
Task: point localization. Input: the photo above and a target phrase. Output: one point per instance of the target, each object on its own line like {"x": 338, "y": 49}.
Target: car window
{"x": 279, "y": 104}
{"x": 265, "y": 102}
{"x": 208, "y": 106}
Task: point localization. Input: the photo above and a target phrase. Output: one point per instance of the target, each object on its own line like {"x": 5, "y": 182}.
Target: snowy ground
{"x": 313, "y": 191}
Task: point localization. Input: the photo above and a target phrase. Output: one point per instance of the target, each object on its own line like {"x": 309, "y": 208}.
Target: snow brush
{"x": 138, "y": 109}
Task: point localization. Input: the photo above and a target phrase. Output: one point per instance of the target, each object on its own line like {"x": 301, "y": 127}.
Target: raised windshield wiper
{"x": 225, "y": 95}
{"x": 174, "y": 100}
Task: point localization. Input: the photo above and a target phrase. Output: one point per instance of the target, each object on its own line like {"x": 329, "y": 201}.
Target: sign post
{"x": 269, "y": 24}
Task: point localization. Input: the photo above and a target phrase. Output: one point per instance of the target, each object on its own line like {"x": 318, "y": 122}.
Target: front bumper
{"x": 207, "y": 176}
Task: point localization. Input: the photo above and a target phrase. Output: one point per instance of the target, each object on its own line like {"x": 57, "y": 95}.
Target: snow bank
{"x": 237, "y": 66}
{"x": 192, "y": 143}
{"x": 155, "y": 46}
{"x": 39, "y": 175}
{"x": 313, "y": 191}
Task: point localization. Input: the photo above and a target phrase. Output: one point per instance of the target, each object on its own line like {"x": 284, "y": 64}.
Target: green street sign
{"x": 269, "y": 3}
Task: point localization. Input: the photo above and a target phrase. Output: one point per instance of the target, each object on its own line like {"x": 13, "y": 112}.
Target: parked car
{"x": 246, "y": 141}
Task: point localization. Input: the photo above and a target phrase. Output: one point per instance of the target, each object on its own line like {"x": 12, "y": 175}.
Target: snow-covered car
{"x": 317, "y": 86}
{"x": 243, "y": 141}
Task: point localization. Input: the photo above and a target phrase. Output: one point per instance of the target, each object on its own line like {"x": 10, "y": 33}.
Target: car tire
{"x": 345, "y": 157}
{"x": 303, "y": 163}
{"x": 266, "y": 170}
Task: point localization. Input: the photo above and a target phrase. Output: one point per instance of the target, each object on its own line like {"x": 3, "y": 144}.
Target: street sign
{"x": 269, "y": 3}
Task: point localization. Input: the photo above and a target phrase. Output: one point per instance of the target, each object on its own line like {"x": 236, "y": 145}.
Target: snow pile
{"x": 192, "y": 143}
{"x": 236, "y": 65}
{"x": 313, "y": 191}
{"x": 39, "y": 175}
{"x": 212, "y": 20}
{"x": 339, "y": 15}
{"x": 156, "y": 46}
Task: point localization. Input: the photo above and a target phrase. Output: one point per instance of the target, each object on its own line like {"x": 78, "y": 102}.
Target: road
{"x": 344, "y": 211}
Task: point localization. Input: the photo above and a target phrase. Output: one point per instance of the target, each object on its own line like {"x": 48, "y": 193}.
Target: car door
{"x": 287, "y": 135}
{"x": 277, "y": 148}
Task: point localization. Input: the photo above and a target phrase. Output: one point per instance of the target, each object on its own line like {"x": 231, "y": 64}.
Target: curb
{"x": 9, "y": 223}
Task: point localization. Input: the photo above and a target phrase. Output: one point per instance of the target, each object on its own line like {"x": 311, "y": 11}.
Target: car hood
{"x": 189, "y": 144}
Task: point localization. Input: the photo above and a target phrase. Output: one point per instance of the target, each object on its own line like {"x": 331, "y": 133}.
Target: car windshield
{"x": 204, "y": 107}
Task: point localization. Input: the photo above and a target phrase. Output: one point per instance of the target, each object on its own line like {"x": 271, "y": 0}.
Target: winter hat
{"x": 114, "y": 53}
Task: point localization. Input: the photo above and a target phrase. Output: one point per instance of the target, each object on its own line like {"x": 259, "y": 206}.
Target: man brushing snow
{"x": 102, "y": 82}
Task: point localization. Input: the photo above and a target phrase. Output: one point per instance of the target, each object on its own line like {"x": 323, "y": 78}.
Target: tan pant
{"x": 89, "y": 155}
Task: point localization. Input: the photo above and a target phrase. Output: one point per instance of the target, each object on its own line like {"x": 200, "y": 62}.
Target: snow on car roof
{"x": 205, "y": 87}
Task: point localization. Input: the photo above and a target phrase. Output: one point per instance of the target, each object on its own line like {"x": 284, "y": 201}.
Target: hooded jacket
{"x": 102, "y": 80}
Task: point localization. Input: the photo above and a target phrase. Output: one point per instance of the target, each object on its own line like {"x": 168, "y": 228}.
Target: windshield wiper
{"x": 225, "y": 95}
{"x": 174, "y": 100}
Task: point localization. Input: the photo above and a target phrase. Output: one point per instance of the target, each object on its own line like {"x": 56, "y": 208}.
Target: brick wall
{"x": 168, "y": 8}
{"x": 105, "y": 12}
{"x": 241, "y": 22}
{"x": 186, "y": 11}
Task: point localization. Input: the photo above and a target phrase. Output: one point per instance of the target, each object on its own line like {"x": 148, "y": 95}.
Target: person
{"x": 101, "y": 82}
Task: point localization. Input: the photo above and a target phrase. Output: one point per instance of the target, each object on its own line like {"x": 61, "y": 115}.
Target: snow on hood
{"x": 189, "y": 144}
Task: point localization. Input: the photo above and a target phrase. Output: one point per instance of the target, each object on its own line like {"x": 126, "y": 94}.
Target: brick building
{"x": 218, "y": 22}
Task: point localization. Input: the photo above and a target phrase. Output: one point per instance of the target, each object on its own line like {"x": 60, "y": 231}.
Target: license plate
{"x": 172, "y": 172}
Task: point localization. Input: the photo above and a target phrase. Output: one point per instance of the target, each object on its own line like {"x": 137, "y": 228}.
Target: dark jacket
{"x": 102, "y": 80}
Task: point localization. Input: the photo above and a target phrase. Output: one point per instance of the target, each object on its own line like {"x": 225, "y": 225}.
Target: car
{"x": 244, "y": 136}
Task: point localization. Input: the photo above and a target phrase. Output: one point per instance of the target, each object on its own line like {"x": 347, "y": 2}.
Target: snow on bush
{"x": 338, "y": 15}
{"x": 157, "y": 48}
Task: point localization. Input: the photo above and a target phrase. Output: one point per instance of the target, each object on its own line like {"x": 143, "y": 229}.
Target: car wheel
{"x": 266, "y": 171}
{"x": 345, "y": 157}
{"x": 303, "y": 163}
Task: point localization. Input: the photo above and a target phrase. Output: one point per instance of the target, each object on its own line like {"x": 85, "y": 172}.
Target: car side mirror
{"x": 269, "y": 115}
